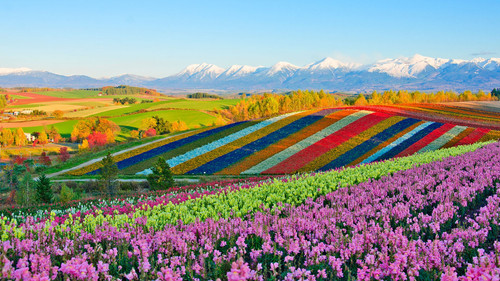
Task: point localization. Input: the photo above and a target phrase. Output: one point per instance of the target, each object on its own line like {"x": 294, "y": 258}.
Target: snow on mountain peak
{"x": 5, "y": 71}
{"x": 204, "y": 69}
{"x": 407, "y": 67}
{"x": 328, "y": 64}
{"x": 239, "y": 70}
{"x": 282, "y": 66}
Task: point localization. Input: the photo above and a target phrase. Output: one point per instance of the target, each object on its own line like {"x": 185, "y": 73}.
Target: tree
{"x": 84, "y": 146}
{"x": 24, "y": 193}
{"x": 147, "y": 123}
{"x": 3, "y": 102}
{"x": 162, "y": 126}
{"x": 97, "y": 139}
{"x": 20, "y": 137}
{"x": 496, "y": 93}
{"x": 110, "y": 136}
{"x": 45, "y": 159}
{"x": 151, "y": 132}
{"x": 44, "y": 189}
{"x": 134, "y": 134}
{"x": 108, "y": 173}
{"x": 7, "y": 137}
{"x": 162, "y": 177}
{"x": 63, "y": 154}
{"x": 42, "y": 138}
{"x": 54, "y": 134}
{"x": 361, "y": 101}
{"x": 67, "y": 194}
{"x": 58, "y": 113}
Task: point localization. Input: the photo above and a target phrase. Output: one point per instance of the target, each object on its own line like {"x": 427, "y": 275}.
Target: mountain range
{"x": 413, "y": 73}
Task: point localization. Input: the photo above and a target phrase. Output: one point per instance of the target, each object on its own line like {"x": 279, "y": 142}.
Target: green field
{"x": 73, "y": 94}
{"x": 64, "y": 128}
{"x": 127, "y": 109}
{"x": 197, "y": 104}
{"x": 192, "y": 118}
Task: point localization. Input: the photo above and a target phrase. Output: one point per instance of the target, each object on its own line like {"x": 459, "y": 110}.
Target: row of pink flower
{"x": 438, "y": 221}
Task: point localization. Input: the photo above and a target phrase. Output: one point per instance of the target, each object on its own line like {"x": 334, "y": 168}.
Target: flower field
{"x": 429, "y": 216}
{"x": 309, "y": 141}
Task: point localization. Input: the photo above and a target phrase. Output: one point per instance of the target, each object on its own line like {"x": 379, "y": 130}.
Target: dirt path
{"x": 22, "y": 124}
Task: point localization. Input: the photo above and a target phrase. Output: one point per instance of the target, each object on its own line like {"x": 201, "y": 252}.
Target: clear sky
{"x": 159, "y": 38}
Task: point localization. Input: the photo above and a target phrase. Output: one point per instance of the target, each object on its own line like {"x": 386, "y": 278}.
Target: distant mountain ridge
{"x": 417, "y": 72}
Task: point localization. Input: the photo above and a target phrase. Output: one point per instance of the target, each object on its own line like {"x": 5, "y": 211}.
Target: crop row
{"x": 436, "y": 221}
{"x": 231, "y": 201}
{"x": 125, "y": 203}
{"x": 317, "y": 141}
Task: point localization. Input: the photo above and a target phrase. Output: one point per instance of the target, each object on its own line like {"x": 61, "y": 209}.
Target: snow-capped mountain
{"x": 5, "y": 71}
{"x": 416, "y": 72}
{"x": 407, "y": 67}
{"x": 202, "y": 71}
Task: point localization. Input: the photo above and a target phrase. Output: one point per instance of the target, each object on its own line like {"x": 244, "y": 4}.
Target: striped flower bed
{"x": 317, "y": 140}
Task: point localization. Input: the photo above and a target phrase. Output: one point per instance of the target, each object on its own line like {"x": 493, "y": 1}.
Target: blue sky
{"x": 159, "y": 38}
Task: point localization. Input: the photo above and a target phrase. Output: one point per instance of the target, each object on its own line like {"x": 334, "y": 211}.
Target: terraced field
{"x": 308, "y": 141}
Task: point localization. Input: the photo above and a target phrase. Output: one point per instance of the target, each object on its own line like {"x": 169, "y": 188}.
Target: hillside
{"x": 317, "y": 140}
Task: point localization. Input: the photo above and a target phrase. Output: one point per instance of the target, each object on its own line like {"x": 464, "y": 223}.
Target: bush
{"x": 63, "y": 154}
{"x": 67, "y": 194}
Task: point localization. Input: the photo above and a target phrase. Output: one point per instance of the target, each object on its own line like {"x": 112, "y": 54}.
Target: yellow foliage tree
{"x": 42, "y": 138}
{"x": 20, "y": 137}
{"x": 84, "y": 146}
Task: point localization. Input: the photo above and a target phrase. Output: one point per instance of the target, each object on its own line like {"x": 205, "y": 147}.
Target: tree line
{"x": 128, "y": 90}
{"x": 204, "y": 96}
{"x": 265, "y": 105}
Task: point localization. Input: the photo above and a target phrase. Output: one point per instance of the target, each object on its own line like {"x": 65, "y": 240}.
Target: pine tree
{"x": 162, "y": 177}
{"x": 109, "y": 173}
{"x": 43, "y": 189}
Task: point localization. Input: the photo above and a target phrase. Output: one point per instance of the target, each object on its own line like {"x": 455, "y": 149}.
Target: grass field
{"x": 192, "y": 118}
{"x": 75, "y": 94}
{"x": 198, "y": 104}
{"x": 91, "y": 112}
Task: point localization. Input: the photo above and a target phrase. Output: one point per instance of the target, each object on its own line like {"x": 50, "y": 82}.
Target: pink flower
{"x": 239, "y": 271}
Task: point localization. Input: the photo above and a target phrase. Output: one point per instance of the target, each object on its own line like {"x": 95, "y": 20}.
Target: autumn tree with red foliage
{"x": 151, "y": 132}
{"x": 97, "y": 139}
{"x": 86, "y": 127}
{"x": 45, "y": 159}
{"x": 63, "y": 154}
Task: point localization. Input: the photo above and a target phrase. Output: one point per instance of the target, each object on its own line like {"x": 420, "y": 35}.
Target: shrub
{"x": 63, "y": 154}
{"x": 67, "y": 194}
{"x": 45, "y": 159}
{"x": 161, "y": 178}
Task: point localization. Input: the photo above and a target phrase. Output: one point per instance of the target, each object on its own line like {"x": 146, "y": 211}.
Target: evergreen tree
{"x": 43, "y": 189}
{"x": 109, "y": 173}
{"x": 162, "y": 177}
